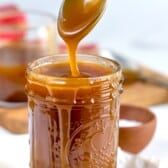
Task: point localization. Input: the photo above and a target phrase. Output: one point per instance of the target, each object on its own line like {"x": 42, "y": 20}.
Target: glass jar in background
{"x": 24, "y": 36}
{"x": 73, "y": 122}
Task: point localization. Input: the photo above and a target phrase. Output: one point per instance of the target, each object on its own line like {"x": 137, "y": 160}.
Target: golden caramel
{"x": 73, "y": 120}
{"x": 76, "y": 19}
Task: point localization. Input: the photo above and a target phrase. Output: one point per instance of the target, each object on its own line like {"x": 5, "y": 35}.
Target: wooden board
{"x": 14, "y": 120}
{"x": 138, "y": 93}
{"x": 144, "y": 93}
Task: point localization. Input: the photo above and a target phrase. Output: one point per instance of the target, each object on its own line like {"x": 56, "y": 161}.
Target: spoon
{"x": 77, "y": 17}
{"x": 131, "y": 70}
{"x": 75, "y": 20}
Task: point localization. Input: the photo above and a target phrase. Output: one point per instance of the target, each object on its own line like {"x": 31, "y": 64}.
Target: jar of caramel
{"x": 73, "y": 121}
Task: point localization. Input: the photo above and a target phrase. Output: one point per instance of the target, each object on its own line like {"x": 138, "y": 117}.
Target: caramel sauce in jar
{"x": 73, "y": 121}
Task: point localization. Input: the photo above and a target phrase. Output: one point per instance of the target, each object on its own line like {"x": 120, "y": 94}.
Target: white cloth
{"x": 126, "y": 160}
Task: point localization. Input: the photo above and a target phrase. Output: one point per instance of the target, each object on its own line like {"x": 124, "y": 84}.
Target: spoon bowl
{"x": 136, "y": 137}
{"x": 77, "y": 18}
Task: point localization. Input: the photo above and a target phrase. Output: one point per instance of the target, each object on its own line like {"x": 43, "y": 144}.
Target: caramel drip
{"x": 52, "y": 137}
{"x": 72, "y": 47}
{"x": 64, "y": 123}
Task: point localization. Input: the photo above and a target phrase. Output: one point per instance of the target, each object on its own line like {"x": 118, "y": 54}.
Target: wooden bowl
{"x": 135, "y": 138}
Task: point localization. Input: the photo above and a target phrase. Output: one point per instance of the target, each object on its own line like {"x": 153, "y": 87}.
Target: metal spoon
{"x": 131, "y": 70}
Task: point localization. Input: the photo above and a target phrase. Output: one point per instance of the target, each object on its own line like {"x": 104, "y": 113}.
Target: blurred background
{"x": 135, "y": 28}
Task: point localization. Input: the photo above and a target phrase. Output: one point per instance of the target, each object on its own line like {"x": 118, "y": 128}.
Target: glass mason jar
{"x": 24, "y": 36}
{"x": 73, "y": 121}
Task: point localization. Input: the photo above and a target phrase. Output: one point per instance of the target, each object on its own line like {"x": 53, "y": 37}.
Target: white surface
{"x": 14, "y": 150}
{"x": 137, "y": 29}
{"x": 158, "y": 148}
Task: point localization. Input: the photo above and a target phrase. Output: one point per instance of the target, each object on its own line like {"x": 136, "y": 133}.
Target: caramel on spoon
{"x": 76, "y": 19}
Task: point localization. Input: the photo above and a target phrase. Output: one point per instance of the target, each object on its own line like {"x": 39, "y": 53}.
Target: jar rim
{"x": 117, "y": 73}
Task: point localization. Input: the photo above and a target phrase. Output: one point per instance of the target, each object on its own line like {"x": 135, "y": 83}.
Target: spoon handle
{"x": 154, "y": 80}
